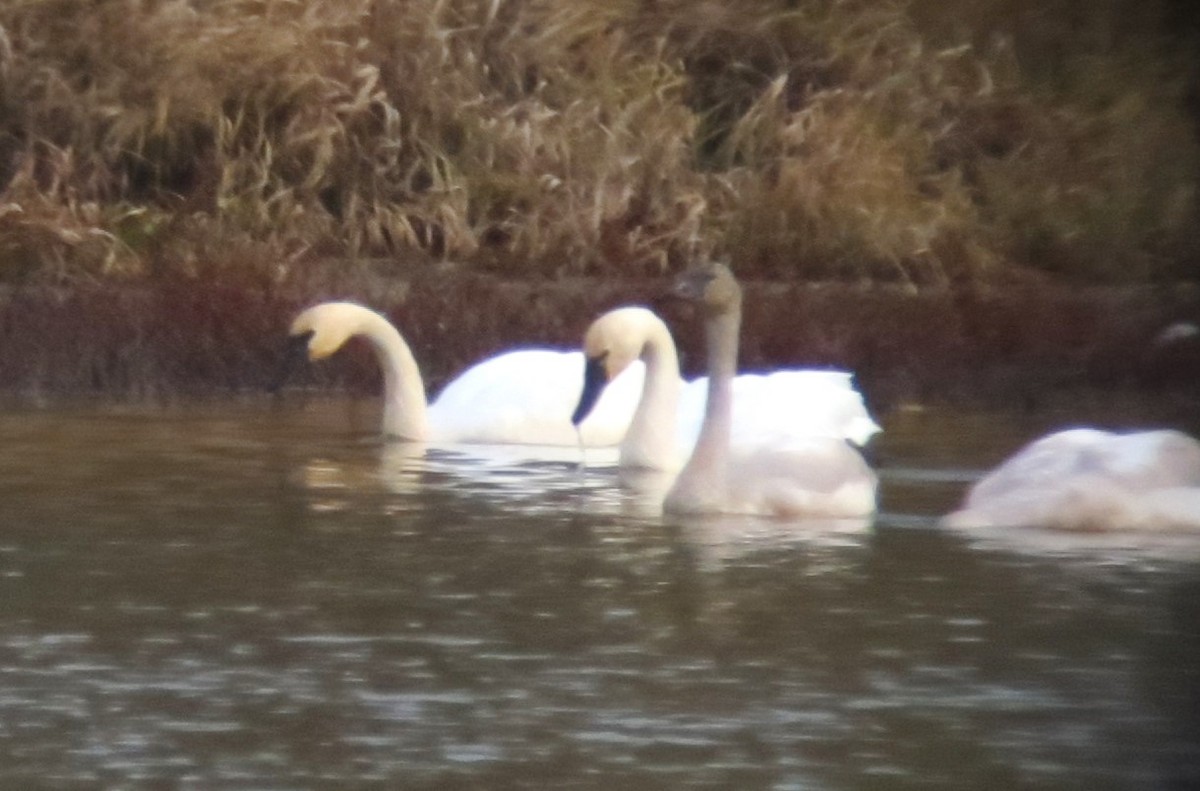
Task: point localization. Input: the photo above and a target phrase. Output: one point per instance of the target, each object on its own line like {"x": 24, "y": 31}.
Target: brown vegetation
{"x": 920, "y": 142}
{"x": 895, "y": 179}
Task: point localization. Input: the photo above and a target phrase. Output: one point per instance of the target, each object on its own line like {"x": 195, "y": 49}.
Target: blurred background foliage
{"x": 921, "y": 142}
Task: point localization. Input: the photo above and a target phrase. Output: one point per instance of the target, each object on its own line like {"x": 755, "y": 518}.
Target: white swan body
{"x": 796, "y": 403}
{"x": 813, "y": 478}
{"x": 1087, "y": 479}
{"x": 520, "y": 397}
{"x": 768, "y": 409}
{"x": 806, "y": 477}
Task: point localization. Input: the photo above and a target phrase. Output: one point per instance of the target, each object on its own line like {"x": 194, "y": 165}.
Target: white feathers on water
{"x": 1087, "y": 479}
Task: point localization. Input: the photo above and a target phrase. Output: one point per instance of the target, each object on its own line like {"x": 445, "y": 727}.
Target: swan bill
{"x": 711, "y": 285}
{"x": 295, "y": 352}
{"x": 595, "y": 378}
{"x": 691, "y": 283}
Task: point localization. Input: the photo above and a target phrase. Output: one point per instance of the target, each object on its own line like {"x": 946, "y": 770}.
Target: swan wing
{"x": 526, "y": 397}
{"x": 1086, "y": 503}
{"x": 1153, "y": 459}
{"x": 1052, "y": 458}
{"x": 1176, "y": 507}
{"x": 811, "y": 477}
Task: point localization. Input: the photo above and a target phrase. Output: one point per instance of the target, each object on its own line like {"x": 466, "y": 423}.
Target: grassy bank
{"x": 981, "y": 199}
{"x": 920, "y": 142}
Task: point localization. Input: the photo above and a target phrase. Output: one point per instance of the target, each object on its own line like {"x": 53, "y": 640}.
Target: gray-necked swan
{"x": 818, "y": 477}
{"x": 1088, "y": 479}
{"x": 767, "y": 408}
{"x": 520, "y": 397}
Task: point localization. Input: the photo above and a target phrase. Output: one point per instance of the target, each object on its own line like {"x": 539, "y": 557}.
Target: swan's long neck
{"x": 704, "y": 474}
{"x": 404, "y": 407}
{"x": 650, "y": 441}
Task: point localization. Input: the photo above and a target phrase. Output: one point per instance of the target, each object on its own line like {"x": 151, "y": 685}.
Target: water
{"x": 247, "y": 596}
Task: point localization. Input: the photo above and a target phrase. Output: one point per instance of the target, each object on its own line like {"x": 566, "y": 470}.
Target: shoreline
{"x": 1016, "y": 344}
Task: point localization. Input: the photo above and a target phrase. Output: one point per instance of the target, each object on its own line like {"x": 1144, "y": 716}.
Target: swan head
{"x": 323, "y": 329}
{"x": 317, "y": 333}
{"x": 610, "y": 345}
{"x": 712, "y": 286}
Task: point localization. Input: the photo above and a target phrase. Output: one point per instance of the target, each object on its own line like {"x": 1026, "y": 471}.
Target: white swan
{"x": 767, "y": 409}
{"x": 521, "y": 397}
{"x": 810, "y": 477}
{"x": 1087, "y": 479}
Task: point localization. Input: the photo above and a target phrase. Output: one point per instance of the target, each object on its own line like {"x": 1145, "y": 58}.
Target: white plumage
{"x": 1088, "y": 479}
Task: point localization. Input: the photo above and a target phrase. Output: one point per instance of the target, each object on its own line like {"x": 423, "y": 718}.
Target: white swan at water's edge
{"x": 520, "y": 397}
{"x": 811, "y": 477}
{"x": 1085, "y": 479}
{"x": 767, "y": 408}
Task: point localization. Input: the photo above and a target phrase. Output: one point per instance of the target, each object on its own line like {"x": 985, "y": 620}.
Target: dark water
{"x": 248, "y": 597}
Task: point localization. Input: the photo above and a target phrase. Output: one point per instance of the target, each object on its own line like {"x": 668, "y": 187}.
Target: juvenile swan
{"x": 1087, "y": 479}
{"x": 521, "y": 397}
{"x": 810, "y": 477}
{"x": 767, "y": 408}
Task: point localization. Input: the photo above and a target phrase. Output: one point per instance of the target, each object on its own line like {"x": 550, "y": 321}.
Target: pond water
{"x": 255, "y": 596}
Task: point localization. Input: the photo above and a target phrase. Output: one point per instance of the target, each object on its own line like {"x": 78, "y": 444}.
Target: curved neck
{"x": 404, "y": 405}
{"x": 650, "y": 441}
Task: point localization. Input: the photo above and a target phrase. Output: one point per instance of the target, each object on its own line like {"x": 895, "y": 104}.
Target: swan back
{"x": 525, "y": 397}
{"x": 1087, "y": 479}
{"x": 780, "y": 406}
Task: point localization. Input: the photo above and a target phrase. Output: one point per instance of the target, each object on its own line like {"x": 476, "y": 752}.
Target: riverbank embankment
{"x": 1010, "y": 345}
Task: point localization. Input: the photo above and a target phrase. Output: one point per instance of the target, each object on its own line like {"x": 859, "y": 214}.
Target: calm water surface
{"x": 236, "y": 597}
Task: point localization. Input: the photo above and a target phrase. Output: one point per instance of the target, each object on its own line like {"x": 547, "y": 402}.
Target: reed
{"x": 919, "y": 142}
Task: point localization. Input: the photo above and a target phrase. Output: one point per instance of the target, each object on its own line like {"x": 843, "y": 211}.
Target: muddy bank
{"x": 1017, "y": 344}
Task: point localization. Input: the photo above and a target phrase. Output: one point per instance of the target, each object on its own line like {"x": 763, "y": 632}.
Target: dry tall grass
{"x": 916, "y": 141}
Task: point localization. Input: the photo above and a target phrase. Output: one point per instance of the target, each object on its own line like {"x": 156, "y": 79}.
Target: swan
{"x": 521, "y": 397}
{"x": 1091, "y": 480}
{"x": 808, "y": 476}
{"x": 667, "y": 419}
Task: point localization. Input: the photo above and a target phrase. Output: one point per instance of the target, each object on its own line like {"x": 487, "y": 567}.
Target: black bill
{"x": 595, "y": 377}
{"x": 295, "y": 352}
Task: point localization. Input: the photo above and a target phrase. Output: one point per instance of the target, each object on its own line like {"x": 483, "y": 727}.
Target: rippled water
{"x": 255, "y": 597}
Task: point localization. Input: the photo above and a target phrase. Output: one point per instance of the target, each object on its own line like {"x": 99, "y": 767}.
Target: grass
{"x": 919, "y": 142}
